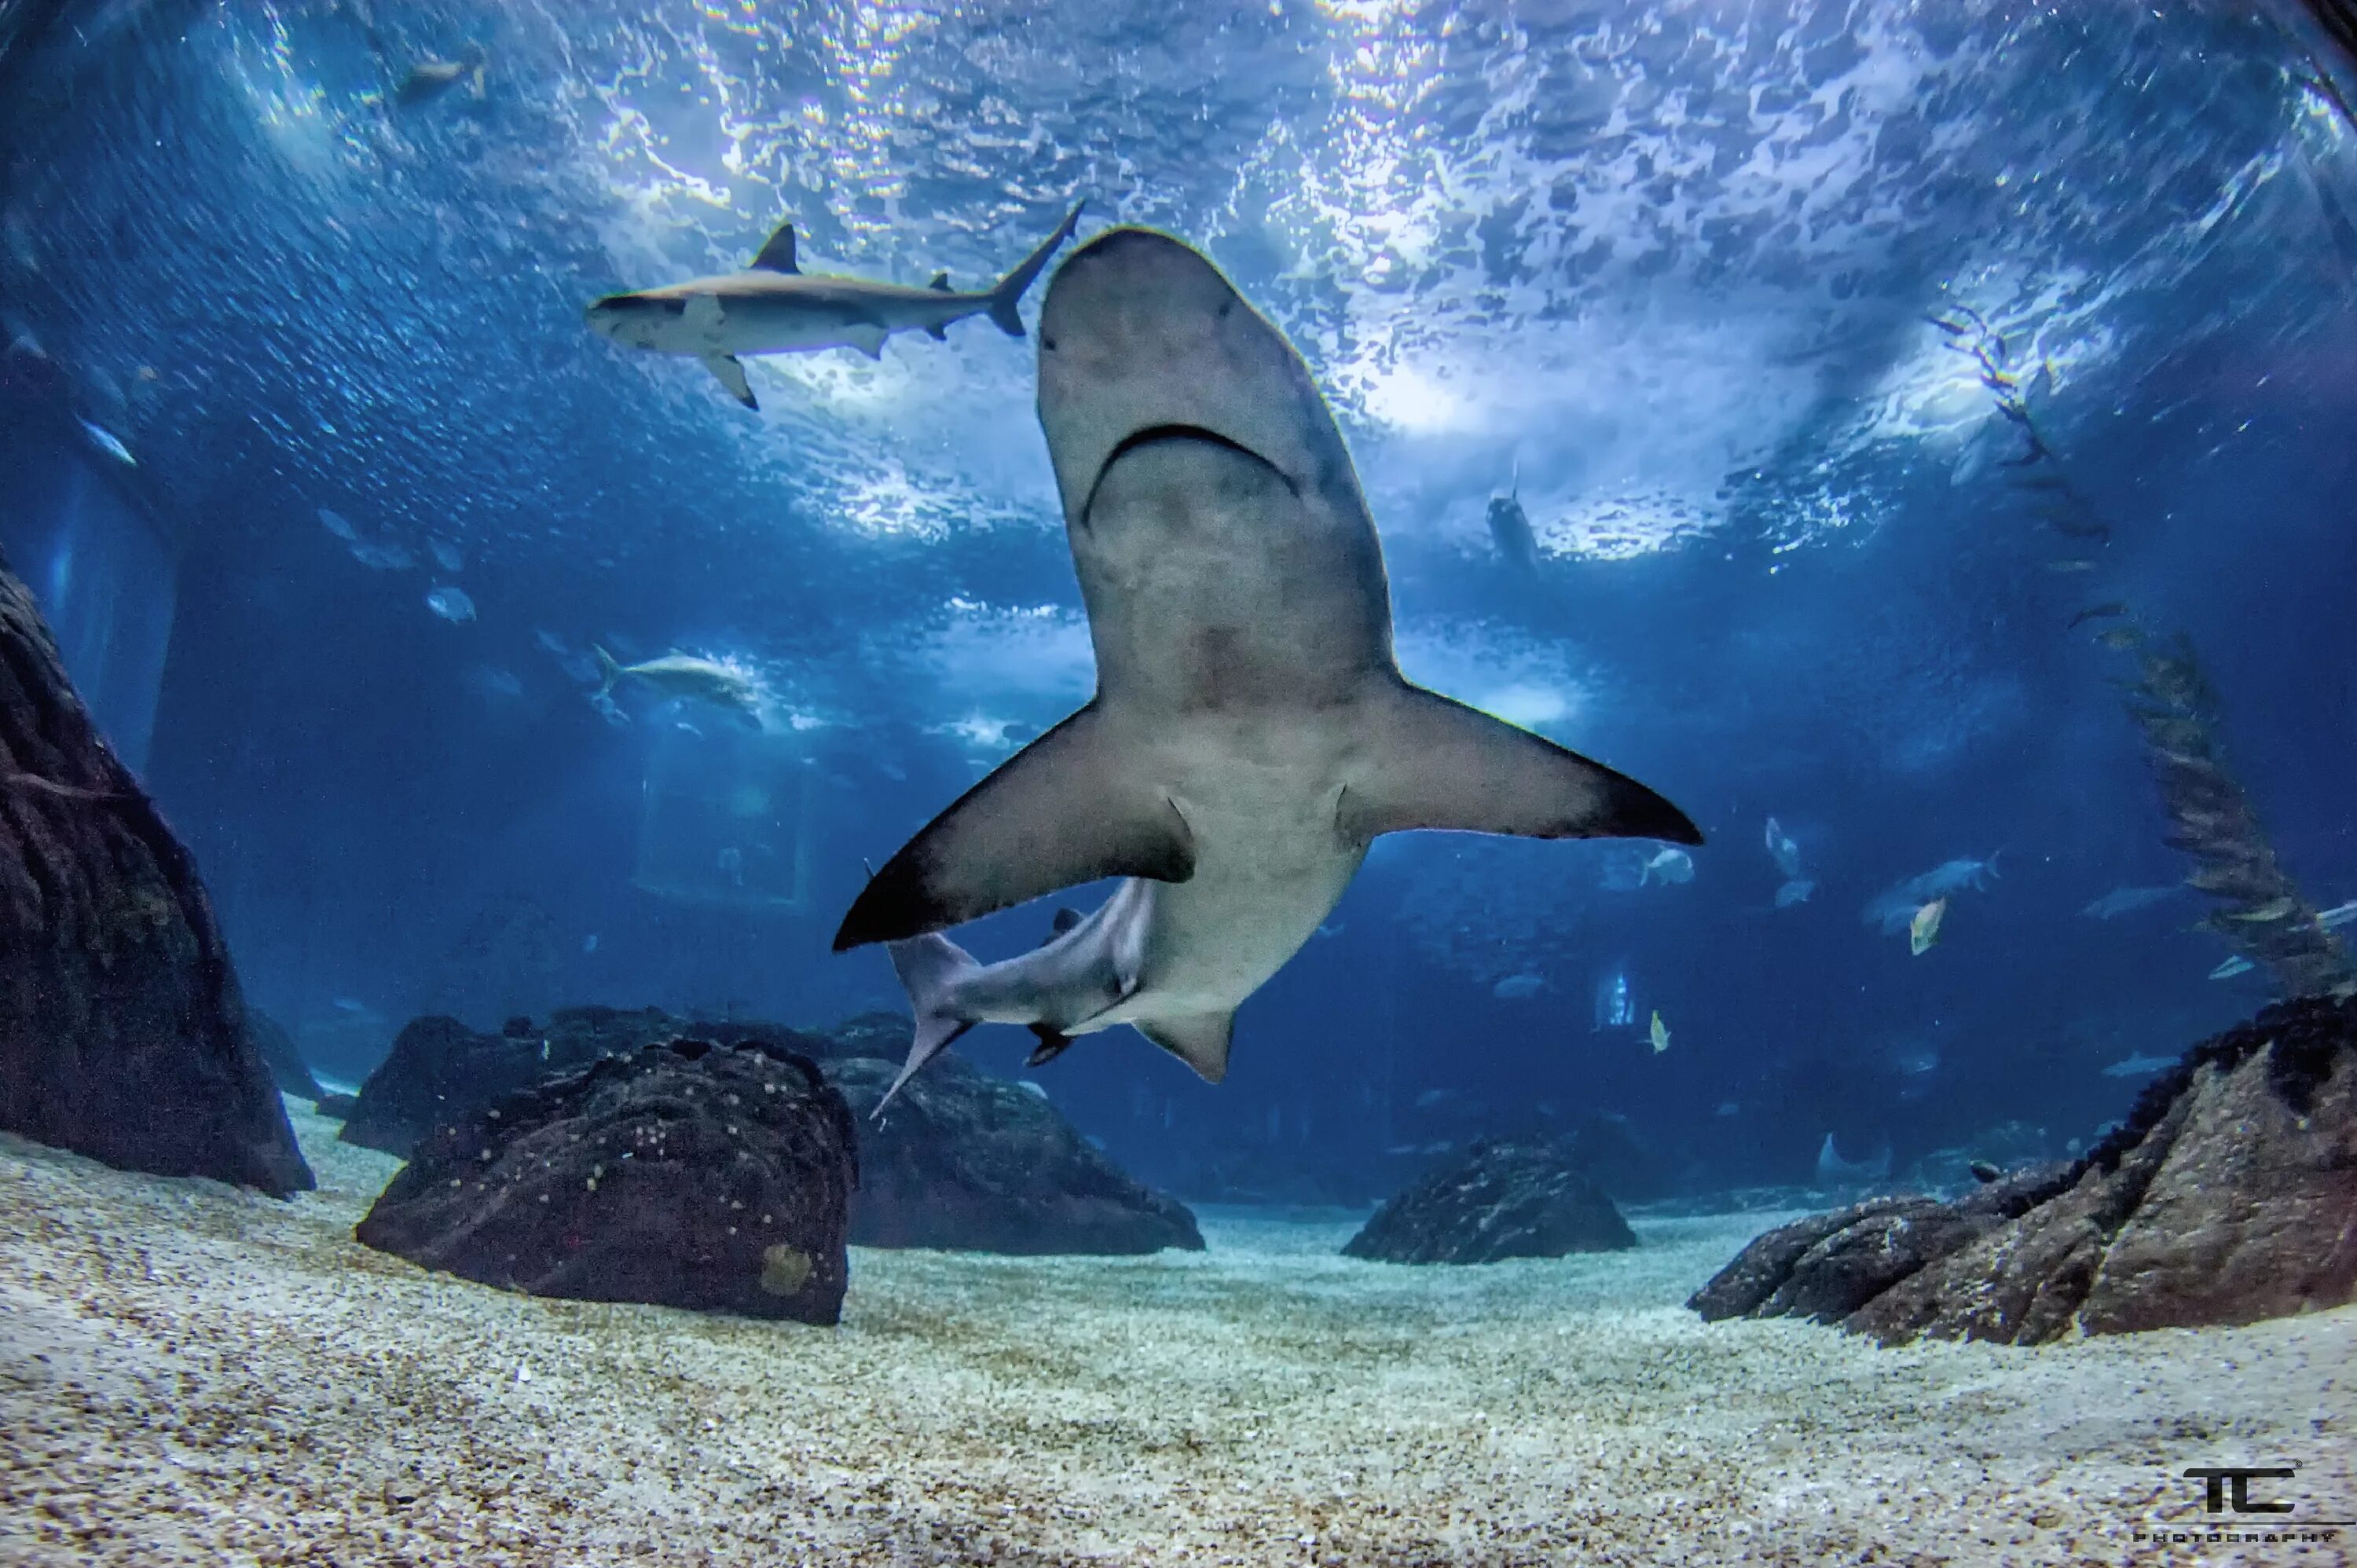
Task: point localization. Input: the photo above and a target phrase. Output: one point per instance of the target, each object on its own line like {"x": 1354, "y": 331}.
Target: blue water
{"x": 1665, "y": 269}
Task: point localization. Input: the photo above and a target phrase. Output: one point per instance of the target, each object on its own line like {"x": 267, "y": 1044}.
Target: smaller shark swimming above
{"x": 775, "y": 307}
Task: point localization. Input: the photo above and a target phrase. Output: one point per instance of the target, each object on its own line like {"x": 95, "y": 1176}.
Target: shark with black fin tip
{"x": 775, "y": 307}
{"x": 1251, "y": 733}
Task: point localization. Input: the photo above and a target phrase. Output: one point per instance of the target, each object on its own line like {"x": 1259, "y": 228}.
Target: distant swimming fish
{"x": 451, "y": 604}
{"x": 2124, "y": 900}
{"x": 446, "y": 555}
{"x": 339, "y": 525}
{"x": 1672, "y": 864}
{"x": 1510, "y": 530}
{"x": 429, "y": 79}
{"x": 1835, "y": 1171}
{"x": 1519, "y": 987}
{"x": 1783, "y": 851}
{"x": 2139, "y": 1066}
{"x": 1658, "y": 1034}
{"x": 105, "y": 441}
{"x": 2110, "y": 610}
{"x": 1893, "y": 908}
{"x": 688, "y": 678}
{"x": 1924, "y": 929}
{"x": 1796, "y": 891}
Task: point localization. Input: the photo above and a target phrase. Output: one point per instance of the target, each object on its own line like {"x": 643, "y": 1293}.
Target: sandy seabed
{"x": 191, "y": 1374}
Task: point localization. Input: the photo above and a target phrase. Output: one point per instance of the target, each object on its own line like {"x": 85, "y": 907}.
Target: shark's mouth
{"x": 1158, "y": 434}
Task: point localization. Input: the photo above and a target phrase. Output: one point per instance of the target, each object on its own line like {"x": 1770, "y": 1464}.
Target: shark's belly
{"x": 1269, "y": 868}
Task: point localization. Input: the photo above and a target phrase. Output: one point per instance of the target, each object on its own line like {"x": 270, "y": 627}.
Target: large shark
{"x": 775, "y": 307}
{"x": 1250, "y": 733}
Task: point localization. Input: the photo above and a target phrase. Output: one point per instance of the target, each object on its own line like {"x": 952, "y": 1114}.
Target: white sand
{"x": 194, "y": 1375}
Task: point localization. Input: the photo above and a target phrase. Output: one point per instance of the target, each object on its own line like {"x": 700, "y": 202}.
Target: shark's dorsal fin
{"x": 1063, "y": 811}
{"x": 1200, "y": 1040}
{"x": 941, "y": 282}
{"x": 1435, "y": 763}
{"x": 778, "y": 255}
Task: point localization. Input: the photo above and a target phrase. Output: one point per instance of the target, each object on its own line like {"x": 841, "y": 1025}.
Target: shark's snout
{"x": 1141, "y": 340}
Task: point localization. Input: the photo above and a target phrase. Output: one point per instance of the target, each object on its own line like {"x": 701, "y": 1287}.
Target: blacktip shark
{"x": 775, "y": 307}
{"x": 1250, "y": 733}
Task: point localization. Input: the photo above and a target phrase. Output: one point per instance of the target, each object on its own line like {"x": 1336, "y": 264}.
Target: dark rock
{"x": 1517, "y": 1200}
{"x": 122, "y": 1030}
{"x": 967, "y": 1161}
{"x": 1606, "y": 1149}
{"x": 287, "y": 1069}
{"x": 337, "y": 1107}
{"x": 439, "y": 1070}
{"x": 687, "y": 1174}
{"x": 2228, "y": 1195}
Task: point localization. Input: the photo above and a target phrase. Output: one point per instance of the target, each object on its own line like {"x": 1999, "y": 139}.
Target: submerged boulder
{"x": 123, "y": 1032}
{"x": 287, "y": 1069}
{"x": 2228, "y": 1195}
{"x": 440, "y": 1071}
{"x": 687, "y": 1174}
{"x": 1519, "y": 1199}
{"x": 967, "y": 1161}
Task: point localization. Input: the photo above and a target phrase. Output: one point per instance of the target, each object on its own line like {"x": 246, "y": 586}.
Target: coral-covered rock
{"x": 687, "y": 1174}
{"x": 123, "y": 1031}
{"x": 440, "y": 1071}
{"x": 1504, "y": 1200}
{"x": 2228, "y": 1195}
{"x": 968, "y": 1161}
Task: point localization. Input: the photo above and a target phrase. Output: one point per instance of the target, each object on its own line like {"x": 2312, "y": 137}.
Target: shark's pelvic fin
{"x": 1006, "y": 296}
{"x": 778, "y": 255}
{"x": 1200, "y": 1040}
{"x": 1052, "y": 1044}
{"x": 929, "y": 966}
{"x": 1436, "y": 763}
{"x": 1059, "y": 812}
{"x": 730, "y": 371}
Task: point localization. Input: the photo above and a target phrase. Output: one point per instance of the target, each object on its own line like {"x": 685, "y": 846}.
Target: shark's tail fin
{"x": 608, "y": 670}
{"x": 929, "y": 968}
{"x": 1007, "y": 299}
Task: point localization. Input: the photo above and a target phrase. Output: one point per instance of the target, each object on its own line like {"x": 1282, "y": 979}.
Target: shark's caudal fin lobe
{"x": 1007, "y": 297}
{"x": 1436, "y": 763}
{"x": 729, "y": 371}
{"x": 928, "y": 967}
{"x": 1061, "y": 811}
{"x": 778, "y": 254}
{"x": 608, "y": 670}
{"x": 1199, "y": 1039}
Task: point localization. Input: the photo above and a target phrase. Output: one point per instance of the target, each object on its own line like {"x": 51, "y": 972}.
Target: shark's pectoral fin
{"x": 1059, "y": 812}
{"x": 730, "y": 371}
{"x": 1435, "y": 763}
{"x": 868, "y": 341}
{"x": 1199, "y": 1039}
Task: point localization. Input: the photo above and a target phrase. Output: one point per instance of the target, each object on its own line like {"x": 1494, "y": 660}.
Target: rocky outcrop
{"x": 439, "y": 1070}
{"x": 286, "y": 1067}
{"x": 2228, "y": 1195}
{"x": 971, "y": 1162}
{"x": 123, "y": 1031}
{"x": 964, "y": 1160}
{"x": 1504, "y": 1200}
{"x": 687, "y": 1174}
